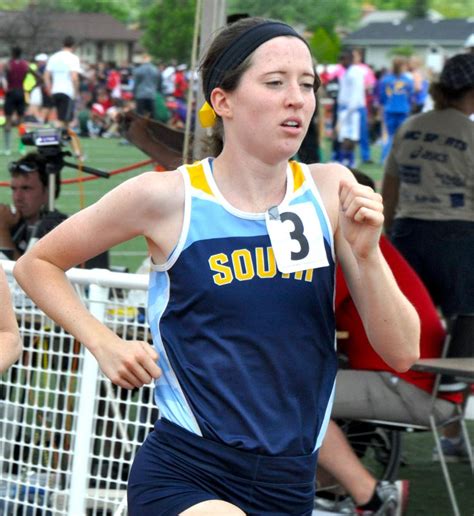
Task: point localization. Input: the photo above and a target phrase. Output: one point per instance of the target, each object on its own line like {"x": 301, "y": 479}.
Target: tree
{"x": 419, "y": 9}
{"x": 325, "y": 47}
{"x": 119, "y": 9}
{"x": 310, "y": 14}
{"x": 454, "y": 8}
{"x": 32, "y": 28}
{"x": 402, "y": 50}
{"x": 169, "y": 27}
{"x": 320, "y": 17}
{"x": 123, "y": 10}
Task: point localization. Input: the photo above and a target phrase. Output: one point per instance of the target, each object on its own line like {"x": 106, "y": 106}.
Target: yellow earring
{"x": 207, "y": 115}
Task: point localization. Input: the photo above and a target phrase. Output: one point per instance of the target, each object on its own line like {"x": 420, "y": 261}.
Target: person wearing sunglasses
{"x": 28, "y": 218}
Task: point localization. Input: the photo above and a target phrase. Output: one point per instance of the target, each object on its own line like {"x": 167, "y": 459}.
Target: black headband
{"x": 242, "y": 47}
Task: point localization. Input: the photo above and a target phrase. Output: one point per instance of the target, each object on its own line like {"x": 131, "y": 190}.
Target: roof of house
{"x": 387, "y": 15}
{"x": 454, "y": 31}
{"x": 83, "y": 26}
{"x": 382, "y": 16}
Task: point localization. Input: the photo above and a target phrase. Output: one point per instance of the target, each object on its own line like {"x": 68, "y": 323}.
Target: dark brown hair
{"x": 33, "y": 161}
{"x": 444, "y": 98}
{"x": 398, "y": 63}
{"x": 213, "y": 145}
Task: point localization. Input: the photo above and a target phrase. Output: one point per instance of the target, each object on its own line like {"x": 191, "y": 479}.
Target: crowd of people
{"x": 63, "y": 90}
{"x": 371, "y": 104}
{"x": 368, "y": 104}
{"x": 227, "y": 282}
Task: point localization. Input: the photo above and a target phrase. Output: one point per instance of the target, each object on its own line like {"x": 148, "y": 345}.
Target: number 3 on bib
{"x": 296, "y": 237}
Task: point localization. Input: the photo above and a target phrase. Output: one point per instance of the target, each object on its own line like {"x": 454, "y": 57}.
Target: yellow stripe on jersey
{"x": 198, "y": 178}
{"x": 298, "y": 176}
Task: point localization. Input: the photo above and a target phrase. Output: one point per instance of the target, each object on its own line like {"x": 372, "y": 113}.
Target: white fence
{"x": 67, "y": 435}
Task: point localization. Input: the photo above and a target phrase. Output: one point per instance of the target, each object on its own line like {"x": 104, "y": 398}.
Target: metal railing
{"x": 67, "y": 435}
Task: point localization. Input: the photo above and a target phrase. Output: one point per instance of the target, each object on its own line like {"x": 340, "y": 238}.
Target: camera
{"x": 49, "y": 145}
{"x": 47, "y": 140}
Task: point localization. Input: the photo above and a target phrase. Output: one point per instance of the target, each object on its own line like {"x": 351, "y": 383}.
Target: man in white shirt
{"x": 351, "y": 98}
{"x": 167, "y": 79}
{"x": 62, "y": 81}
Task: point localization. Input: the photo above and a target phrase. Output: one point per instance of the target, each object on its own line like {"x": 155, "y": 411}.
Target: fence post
{"x": 98, "y": 297}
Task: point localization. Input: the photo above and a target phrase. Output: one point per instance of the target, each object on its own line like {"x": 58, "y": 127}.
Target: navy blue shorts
{"x": 15, "y": 102}
{"x": 175, "y": 469}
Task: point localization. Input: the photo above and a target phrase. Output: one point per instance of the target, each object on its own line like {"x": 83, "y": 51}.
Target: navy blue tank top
{"x": 248, "y": 353}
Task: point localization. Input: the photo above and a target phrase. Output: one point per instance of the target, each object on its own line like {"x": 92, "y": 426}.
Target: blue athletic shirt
{"x": 248, "y": 354}
{"x": 396, "y": 93}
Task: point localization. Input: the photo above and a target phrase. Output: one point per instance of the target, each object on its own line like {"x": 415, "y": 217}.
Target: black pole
{"x": 89, "y": 170}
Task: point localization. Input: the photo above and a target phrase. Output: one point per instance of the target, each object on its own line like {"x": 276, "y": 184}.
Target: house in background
{"x": 99, "y": 36}
{"x": 433, "y": 40}
{"x": 370, "y": 14}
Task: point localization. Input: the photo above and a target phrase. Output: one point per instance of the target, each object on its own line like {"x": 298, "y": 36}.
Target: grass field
{"x": 428, "y": 493}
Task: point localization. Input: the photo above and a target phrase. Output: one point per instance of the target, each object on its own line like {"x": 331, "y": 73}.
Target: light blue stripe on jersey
{"x": 202, "y": 227}
{"x": 169, "y": 396}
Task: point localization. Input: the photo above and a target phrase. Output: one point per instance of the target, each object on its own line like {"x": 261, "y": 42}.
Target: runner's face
{"x": 274, "y": 101}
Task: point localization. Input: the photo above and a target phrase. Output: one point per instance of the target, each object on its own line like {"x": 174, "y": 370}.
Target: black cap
{"x": 458, "y": 72}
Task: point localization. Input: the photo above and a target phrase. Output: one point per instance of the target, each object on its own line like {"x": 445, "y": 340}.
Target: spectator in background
{"x": 97, "y": 123}
{"x": 40, "y": 101}
{"x": 102, "y": 97}
{"x": 378, "y": 127}
{"x": 350, "y": 100}
{"x": 30, "y": 81}
{"x": 162, "y": 113}
{"x": 113, "y": 84}
{"x": 428, "y": 190}
{"x": 167, "y": 79}
{"x": 62, "y": 81}
{"x": 31, "y": 218}
{"x": 396, "y": 91}
{"x": 101, "y": 74}
{"x": 145, "y": 86}
{"x": 324, "y": 75}
{"x": 10, "y": 342}
{"x": 420, "y": 84}
{"x": 180, "y": 83}
{"x": 126, "y": 78}
{"x": 332, "y": 92}
{"x": 370, "y": 389}
{"x": 15, "y": 73}
{"x": 369, "y": 83}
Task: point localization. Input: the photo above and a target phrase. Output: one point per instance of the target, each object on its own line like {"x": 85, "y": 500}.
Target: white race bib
{"x": 296, "y": 237}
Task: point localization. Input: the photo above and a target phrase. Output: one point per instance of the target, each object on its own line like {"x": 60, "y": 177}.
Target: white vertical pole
{"x": 83, "y": 440}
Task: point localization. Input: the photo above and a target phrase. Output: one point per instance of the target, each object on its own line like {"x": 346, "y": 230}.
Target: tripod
{"x": 55, "y": 163}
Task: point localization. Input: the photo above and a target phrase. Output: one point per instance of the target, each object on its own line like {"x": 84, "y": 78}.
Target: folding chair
{"x": 458, "y": 341}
